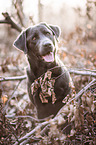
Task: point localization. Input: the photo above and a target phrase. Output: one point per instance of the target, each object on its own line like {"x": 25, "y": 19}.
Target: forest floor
{"x": 78, "y": 52}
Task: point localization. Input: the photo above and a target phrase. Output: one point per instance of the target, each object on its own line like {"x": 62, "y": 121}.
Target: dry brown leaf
{"x": 4, "y": 98}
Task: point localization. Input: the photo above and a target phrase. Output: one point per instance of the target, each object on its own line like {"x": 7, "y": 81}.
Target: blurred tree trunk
{"x": 19, "y": 9}
{"x": 40, "y": 11}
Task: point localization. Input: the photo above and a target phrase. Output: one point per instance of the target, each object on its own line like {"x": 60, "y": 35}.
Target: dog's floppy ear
{"x": 20, "y": 42}
{"x": 56, "y": 30}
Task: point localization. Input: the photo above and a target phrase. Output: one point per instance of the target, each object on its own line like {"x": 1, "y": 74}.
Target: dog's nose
{"x": 46, "y": 48}
{"x": 47, "y": 44}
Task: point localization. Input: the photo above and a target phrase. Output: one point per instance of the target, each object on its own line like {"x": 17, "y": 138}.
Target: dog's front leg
{"x": 30, "y": 79}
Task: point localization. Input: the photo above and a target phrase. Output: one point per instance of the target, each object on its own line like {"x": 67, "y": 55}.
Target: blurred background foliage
{"x": 77, "y": 49}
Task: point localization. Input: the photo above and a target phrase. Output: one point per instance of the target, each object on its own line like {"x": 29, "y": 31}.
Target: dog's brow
{"x": 33, "y": 34}
{"x": 45, "y": 31}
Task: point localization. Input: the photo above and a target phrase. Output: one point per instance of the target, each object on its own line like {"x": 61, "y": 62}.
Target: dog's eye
{"x": 47, "y": 33}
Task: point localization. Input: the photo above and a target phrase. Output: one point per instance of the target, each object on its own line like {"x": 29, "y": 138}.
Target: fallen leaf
{"x": 4, "y": 98}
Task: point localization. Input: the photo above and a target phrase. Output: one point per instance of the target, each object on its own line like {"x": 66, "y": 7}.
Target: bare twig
{"x": 30, "y": 117}
{"x": 4, "y": 109}
{"x": 34, "y": 140}
{"x": 13, "y": 78}
{"x": 32, "y": 132}
{"x": 19, "y": 9}
{"x": 8, "y": 20}
{"x": 12, "y": 130}
{"x": 66, "y": 127}
{"x": 45, "y": 129}
{"x": 46, "y": 123}
{"x": 35, "y": 129}
{"x": 83, "y": 72}
{"x": 83, "y": 90}
{"x": 77, "y": 72}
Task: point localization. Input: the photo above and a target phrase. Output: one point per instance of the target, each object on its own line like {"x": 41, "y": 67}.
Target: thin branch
{"x": 13, "y": 78}
{"x": 19, "y": 9}
{"x": 12, "y": 130}
{"x": 66, "y": 127}
{"x": 77, "y": 72}
{"x": 30, "y": 117}
{"x": 83, "y": 72}
{"x": 32, "y": 132}
{"x": 83, "y": 90}
{"x": 34, "y": 140}
{"x": 35, "y": 129}
{"x": 46, "y": 123}
{"x": 45, "y": 129}
{"x": 5, "y": 107}
{"x": 8, "y": 20}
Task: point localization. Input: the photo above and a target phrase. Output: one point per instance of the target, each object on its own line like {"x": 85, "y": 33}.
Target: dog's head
{"x": 39, "y": 40}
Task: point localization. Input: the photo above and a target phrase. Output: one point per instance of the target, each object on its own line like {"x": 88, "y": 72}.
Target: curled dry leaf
{"x": 46, "y": 83}
{"x": 4, "y": 98}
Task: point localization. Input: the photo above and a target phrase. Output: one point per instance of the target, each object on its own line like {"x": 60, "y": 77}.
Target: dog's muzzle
{"x": 48, "y": 51}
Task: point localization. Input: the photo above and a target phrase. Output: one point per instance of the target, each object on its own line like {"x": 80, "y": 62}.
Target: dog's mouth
{"x": 49, "y": 57}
